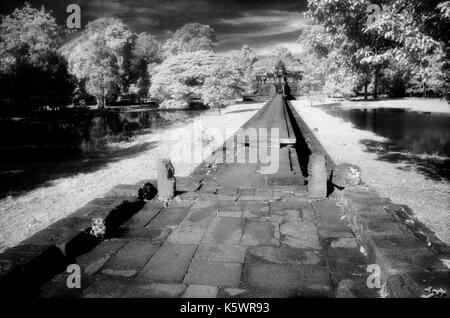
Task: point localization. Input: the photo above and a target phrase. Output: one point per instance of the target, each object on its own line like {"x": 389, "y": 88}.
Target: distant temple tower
{"x": 277, "y": 74}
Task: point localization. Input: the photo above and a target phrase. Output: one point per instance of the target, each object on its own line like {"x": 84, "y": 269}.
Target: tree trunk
{"x": 375, "y": 85}
{"x": 424, "y": 90}
{"x": 366, "y": 84}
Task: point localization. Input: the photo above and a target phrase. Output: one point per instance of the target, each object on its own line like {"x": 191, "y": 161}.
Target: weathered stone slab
{"x": 91, "y": 262}
{"x": 23, "y": 268}
{"x": 124, "y": 191}
{"x": 149, "y": 233}
{"x": 188, "y": 184}
{"x": 98, "y": 208}
{"x": 214, "y": 273}
{"x": 60, "y": 234}
{"x": 57, "y": 287}
{"x": 220, "y": 253}
{"x": 209, "y": 187}
{"x": 232, "y": 192}
{"x": 201, "y": 291}
{"x": 193, "y": 228}
{"x": 299, "y": 235}
{"x": 224, "y": 231}
{"x": 144, "y": 216}
{"x": 169, "y": 217}
{"x": 285, "y": 255}
{"x": 305, "y": 280}
{"x": 414, "y": 284}
{"x": 256, "y": 210}
{"x": 130, "y": 259}
{"x": 169, "y": 264}
{"x": 260, "y": 233}
{"x": 111, "y": 287}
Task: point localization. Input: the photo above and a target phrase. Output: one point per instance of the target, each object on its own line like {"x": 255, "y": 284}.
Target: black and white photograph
{"x": 242, "y": 151}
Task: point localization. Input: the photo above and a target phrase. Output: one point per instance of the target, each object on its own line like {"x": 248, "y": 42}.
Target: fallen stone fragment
{"x": 345, "y": 175}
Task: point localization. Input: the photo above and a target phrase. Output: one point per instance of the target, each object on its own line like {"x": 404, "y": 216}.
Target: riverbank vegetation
{"x": 44, "y": 66}
{"x": 392, "y": 47}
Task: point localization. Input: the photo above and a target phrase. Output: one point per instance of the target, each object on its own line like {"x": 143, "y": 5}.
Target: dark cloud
{"x": 262, "y": 24}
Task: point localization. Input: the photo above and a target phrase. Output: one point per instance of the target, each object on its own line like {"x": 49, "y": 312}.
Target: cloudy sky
{"x": 261, "y": 24}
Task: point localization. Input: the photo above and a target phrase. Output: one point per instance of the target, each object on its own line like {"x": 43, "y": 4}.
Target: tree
{"x": 146, "y": 51}
{"x": 101, "y": 57}
{"x": 202, "y": 75}
{"x": 243, "y": 61}
{"x": 190, "y": 38}
{"x": 223, "y": 86}
{"x": 345, "y": 21}
{"x": 32, "y": 73}
{"x": 180, "y": 79}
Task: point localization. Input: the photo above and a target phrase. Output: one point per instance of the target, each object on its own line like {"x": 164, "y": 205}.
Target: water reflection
{"x": 35, "y": 151}
{"x": 421, "y": 140}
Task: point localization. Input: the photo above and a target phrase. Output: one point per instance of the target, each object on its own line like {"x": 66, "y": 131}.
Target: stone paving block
{"x": 144, "y": 216}
{"x": 91, "y": 262}
{"x": 187, "y": 234}
{"x": 413, "y": 284}
{"x": 188, "y": 184}
{"x": 327, "y": 211}
{"x": 345, "y": 242}
{"x": 149, "y": 233}
{"x": 61, "y": 234}
{"x": 98, "y": 208}
{"x": 299, "y": 235}
{"x": 130, "y": 259}
{"x": 353, "y": 287}
{"x": 230, "y": 214}
{"x": 378, "y": 225}
{"x": 285, "y": 255}
{"x": 23, "y": 268}
{"x": 168, "y": 217}
{"x": 256, "y": 210}
{"x": 177, "y": 203}
{"x": 169, "y": 264}
{"x": 288, "y": 215}
{"x": 230, "y": 206}
{"x": 230, "y": 209}
{"x": 224, "y": 231}
{"x": 111, "y": 287}
{"x": 209, "y": 205}
{"x": 209, "y": 186}
{"x": 264, "y": 192}
{"x": 308, "y": 215}
{"x": 246, "y": 192}
{"x": 304, "y": 279}
{"x": 253, "y": 198}
{"x": 346, "y": 262}
{"x": 232, "y": 192}
{"x": 214, "y": 273}
{"x": 200, "y": 291}
{"x": 189, "y": 196}
{"x": 57, "y": 287}
{"x": 208, "y": 196}
{"x": 260, "y": 233}
{"x": 220, "y": 253}
{"x": 334, "y": 232}
{"x": 124, "y": 191}
{"x": 193, "y": 227}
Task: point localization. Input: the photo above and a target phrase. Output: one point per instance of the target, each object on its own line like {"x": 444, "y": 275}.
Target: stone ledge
{"x": 37, "y": 259}
{"x": 403, "y": 257}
